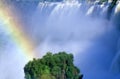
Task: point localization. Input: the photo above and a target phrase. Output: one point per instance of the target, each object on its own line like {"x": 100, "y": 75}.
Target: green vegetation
{"x": 110, "y": 8}
{"x": 103, "y": 0}
{"x": 52, "y": 66}
{"x": 113, "y": 3}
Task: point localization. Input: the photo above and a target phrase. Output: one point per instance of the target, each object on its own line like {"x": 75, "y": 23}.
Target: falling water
{"x": 78, "y": 28}
{"x": 81, "y": 29}
{"x": 115, "y": 67}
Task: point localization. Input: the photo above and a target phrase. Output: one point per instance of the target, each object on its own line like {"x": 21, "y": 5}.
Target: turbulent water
{"x": 79, "y": 28}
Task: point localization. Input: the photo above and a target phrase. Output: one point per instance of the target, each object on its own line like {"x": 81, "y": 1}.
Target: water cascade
{"x": 76, "y": 27}
{"x": 79, "y": 28}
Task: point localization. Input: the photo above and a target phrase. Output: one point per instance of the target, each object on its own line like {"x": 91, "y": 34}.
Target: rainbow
{"x": 14, "y": 27}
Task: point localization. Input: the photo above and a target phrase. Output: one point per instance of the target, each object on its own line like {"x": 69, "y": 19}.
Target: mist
{"x": 77, "y": 28}
{"x": 12, "y": 61}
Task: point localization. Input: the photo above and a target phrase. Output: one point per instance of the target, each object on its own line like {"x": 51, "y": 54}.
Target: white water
{"x": 81, "y": 29}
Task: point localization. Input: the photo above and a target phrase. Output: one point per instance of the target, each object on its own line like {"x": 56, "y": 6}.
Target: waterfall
{"x": 76, "y": 27}
{"x": 115, "y": 67}
{"x": 81, "y": 29}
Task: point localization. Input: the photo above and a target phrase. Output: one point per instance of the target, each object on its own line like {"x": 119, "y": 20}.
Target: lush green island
{"x": 52, "y": 66}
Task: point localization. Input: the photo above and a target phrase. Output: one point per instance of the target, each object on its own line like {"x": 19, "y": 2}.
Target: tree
{"x": 52, "y": 66}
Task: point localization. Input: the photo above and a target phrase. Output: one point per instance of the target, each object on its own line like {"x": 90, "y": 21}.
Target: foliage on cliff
{"x": 52, "y": 66}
